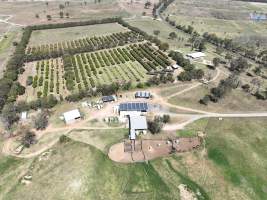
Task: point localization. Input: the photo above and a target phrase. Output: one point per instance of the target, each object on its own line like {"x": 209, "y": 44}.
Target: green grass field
{"x": 232, "y": 166}
{"x": 66, "y": 34}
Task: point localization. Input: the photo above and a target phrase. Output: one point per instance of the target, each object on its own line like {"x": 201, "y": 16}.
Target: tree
{"x": 48, "y": 17}
{"x": 41, "y": 120}
{"x": 61, "y": 6}
{"x": 205, "y": 100}
{"x": 164, "y": 46}
{"x": 219, "y": 50}
{"x": 28, "y": 138}
{"x": 67, "y": 15}
{"x": 37, "y": 16}
{"x": 147, "y": 4}
{"x": 156, "y": 32}
{"x": 9, "y": 115}
{"x": 61, "y": 14}
{"x": 184, "y": 76}
{"x": 155, "y": 126}
{"x": 239, "y": 65}
{"x": 246, "y": 87}
{"x": 29, "y": 80}
{"x": 173, "y": 35}
{"x": 228, "y": 56}
{"x": 216, "y": 61}
{"x": 202, "y": 46}
{"x": 166, "y": 119}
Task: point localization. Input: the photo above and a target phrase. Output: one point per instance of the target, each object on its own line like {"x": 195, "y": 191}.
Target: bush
{"x": 29, "y": 80}
{"x": 41, "y": 121}
{"x": 64, "y": 139}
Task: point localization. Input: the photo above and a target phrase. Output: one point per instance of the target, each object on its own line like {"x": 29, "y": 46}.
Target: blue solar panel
{"x": 133, "y": 107}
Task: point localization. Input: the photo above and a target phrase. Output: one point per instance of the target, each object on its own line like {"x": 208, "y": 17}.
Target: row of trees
{"x": 81, "y": 45}
{"x": 79, "y": 68}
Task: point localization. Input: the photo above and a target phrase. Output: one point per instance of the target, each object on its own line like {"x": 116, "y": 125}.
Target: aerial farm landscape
{"x": 132, "y": 99}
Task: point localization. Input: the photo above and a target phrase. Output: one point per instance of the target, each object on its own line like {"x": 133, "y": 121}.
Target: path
{"x": 194, "y": 117}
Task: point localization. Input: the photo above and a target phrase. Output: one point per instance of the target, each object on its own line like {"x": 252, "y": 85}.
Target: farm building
{"x": 142, "y": 94}
{"x": 23, "y": 116}
{"x": 137, "y": 125}
{"x": 71, "y": 116}
{"x": 175, "y": 66}
{"x": 196, "y": 55}
{"x": 110, "y": 98}
{"x": 133, "y": 108}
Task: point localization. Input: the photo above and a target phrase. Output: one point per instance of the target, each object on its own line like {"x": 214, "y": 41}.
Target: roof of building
{"x": 134, "y": 106}
{"x": 142, "y": 94}
{"x": 175, "y": 66}
{"x": 24, "y": 115}
{"x": 108, "y": 98}
{"x": 138, "y": 122}
{"x": 196, "y": 55}
{"x": 72, "y": 115}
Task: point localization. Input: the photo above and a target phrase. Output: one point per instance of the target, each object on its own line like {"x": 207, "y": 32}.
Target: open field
{"x": 149, "y": 25}
{"x": 24, "y": 12}
{"x": 65, "y": 34}
{"x": 225, "y": 18}
{"x": 236, "y": 101}
{"x": 77, "y": 170}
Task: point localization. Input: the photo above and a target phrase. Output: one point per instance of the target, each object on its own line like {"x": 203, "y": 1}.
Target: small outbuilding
{"x": 110, "y": 98}
{"x": 142, "y": 94}
{"x": 137, "y": 125}
{"x": 196, "y": 55}
{"x": 23, "y": 116}
{"x": 175, "y": 66}
{"x": 71, "y": 116}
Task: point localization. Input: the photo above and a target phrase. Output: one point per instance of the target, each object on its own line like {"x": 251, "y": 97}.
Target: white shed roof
{"x": 24, "y": 115}
{"x": 138, "y": 122}
{"x": 196, "y": 55}
{"x": 175, "y": 66}
{"x": 71, "y": 115}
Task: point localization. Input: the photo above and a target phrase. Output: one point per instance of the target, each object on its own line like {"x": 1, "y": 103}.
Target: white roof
{"x": 196, "y": 55}
{"x": 71, "y": 115}
{"x": 24, "y": 115}
{"x": 138, "y": 122}
{"x": 175, "y": 66}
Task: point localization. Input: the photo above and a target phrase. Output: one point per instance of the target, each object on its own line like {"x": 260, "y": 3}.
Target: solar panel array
{"x": 135, "y": 106}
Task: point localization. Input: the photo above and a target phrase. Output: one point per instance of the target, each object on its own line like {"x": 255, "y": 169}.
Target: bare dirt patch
{"x": 151, "y": 149}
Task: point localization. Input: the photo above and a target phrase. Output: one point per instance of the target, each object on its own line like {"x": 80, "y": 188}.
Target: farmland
{"x": 89, "y": 70}
{"x": 80, "y": 64}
